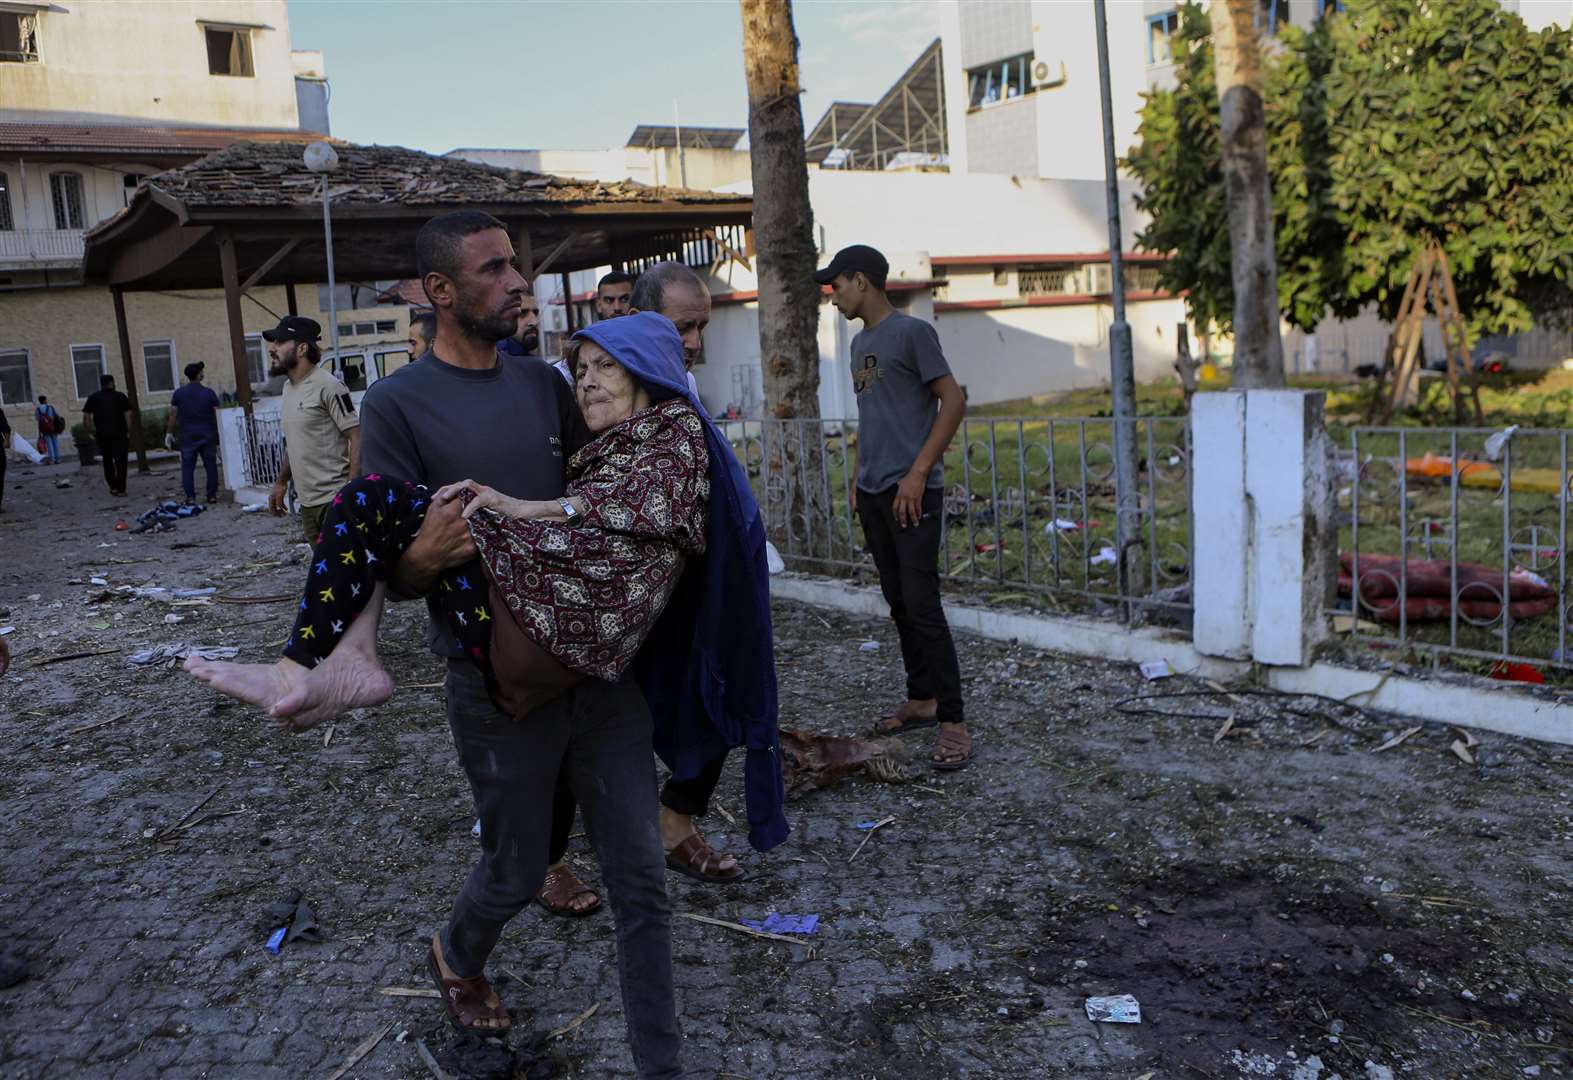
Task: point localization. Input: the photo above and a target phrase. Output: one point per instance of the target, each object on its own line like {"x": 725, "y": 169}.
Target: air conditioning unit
{"x": 1047, "y": 73}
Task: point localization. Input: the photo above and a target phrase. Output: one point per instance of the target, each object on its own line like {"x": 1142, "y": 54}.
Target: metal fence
{"x": 262, "y": 449}
{"x": 1029, "y": 508}
{"x": 1452, "y": 542}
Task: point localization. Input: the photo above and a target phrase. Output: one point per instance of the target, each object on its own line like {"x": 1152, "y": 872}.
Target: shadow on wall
{"x": 997, "y": 361}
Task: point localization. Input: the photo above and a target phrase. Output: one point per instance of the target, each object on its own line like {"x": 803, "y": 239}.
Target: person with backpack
{"x": 50, "y": 426}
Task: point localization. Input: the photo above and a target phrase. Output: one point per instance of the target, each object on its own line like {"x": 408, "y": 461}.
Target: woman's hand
{"x": 485, "y": 498}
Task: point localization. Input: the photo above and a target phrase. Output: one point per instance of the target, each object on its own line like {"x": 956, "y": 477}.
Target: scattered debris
{"x": 367, "y": 1045}
{"x": 294, "y": 919}
{"x": 872, "y": 829}
{"x": 1122, "y": 1009}
{"x": 410, "y": 992}
{"x": 741, "y": 929}
{"x": 1153, "y": 670}
{"x": 869, "y": 646}
{"x": 810, "y": 760}
{"x": 63, "y": 657}
{"x": 1223, "y": 732}
{"x": 573, "y": 1025}
{"x": 1461, "y": 751}
{"x": 1106, "y": 557}
{"x": 169, "y": 654}
{"x": 785, "y": 924}
{"x": 1512, "y": 672}
{"x": 1397, "y": 739}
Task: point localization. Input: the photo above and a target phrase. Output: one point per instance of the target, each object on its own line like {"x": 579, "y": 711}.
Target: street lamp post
{"x": 322, "y": 158}
{"x": 1122, "y": 377}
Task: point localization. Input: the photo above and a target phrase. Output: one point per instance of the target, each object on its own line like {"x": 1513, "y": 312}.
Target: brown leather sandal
{"x": 465, "y": 1000}
{"x": 560, "y": 888}
{"x": 693, "y": 857}
{"x": 901, "y": 720}
{"x": 952, "y": 750}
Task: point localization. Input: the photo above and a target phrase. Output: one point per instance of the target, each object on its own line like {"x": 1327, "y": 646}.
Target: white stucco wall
{"x": 110, "y": 61}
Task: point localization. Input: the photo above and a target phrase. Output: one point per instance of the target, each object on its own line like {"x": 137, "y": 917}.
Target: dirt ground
{"x": 1282, "y": 901}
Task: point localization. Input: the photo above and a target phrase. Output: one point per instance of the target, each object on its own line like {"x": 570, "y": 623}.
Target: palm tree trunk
{"x": 1258, "y": 348}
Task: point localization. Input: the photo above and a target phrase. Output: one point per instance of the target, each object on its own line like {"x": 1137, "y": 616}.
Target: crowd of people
{"x": 594, "y": 565}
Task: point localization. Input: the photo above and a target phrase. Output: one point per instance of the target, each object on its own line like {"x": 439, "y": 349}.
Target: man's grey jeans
{"x": 599, "y": 733}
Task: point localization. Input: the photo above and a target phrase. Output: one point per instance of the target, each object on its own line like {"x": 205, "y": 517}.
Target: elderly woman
{"x": 583, "y": 581}
{"x": 573, "y": 587}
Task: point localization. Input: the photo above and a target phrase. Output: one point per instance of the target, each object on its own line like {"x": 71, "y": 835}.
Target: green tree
{"x": 1391, "y": 124}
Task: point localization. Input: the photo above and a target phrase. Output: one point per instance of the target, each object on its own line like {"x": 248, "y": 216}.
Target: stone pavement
{"x": 1271, "y": 903}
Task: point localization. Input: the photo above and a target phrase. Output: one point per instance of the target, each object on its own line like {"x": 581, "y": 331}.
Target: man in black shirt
{"x": 5, "y": 450}
{"x": 106, "y": 411}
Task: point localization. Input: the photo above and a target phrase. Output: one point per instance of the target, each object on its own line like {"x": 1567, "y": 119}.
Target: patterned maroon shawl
{"x": 588, "y": 591}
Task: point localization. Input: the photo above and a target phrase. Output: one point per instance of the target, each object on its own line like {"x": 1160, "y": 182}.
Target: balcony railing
{"x": 40, "y": 245}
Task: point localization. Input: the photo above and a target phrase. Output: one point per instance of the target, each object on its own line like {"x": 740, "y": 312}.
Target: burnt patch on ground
{"x": 1235, "y": 963}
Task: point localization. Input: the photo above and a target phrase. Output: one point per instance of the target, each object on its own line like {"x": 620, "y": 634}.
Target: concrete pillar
{"x": 1266, "y": 544}
{"x": 1221, "y": 575}
{"x": 1286, "y": 485}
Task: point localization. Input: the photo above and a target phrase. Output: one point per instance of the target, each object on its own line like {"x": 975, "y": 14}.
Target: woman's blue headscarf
{"x": 708, "y": 668}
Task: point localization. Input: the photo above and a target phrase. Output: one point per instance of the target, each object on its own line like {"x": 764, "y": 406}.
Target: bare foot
{"x": 347, "y": 679}
{"x": 262, "y": 685}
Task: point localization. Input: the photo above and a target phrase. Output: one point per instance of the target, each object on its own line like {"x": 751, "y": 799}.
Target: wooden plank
{"x": 237, "y": 327}
{"x": 272, "y": 261}
{"x": 128, "y": 370}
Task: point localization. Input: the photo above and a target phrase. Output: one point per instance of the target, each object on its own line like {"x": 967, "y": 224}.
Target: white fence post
{"x": 1263, "y": 514}
{"x": 1286, "y": 485}
{"x": 1220, "y": 574}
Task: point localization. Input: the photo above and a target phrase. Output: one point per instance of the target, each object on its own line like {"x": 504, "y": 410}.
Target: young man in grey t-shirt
{"x": 909, "y": 406}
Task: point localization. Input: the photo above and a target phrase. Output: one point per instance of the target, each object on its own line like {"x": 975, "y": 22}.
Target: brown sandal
{"x": 560, "y": 888}
{"x": 694, "y": 857}
{"x": 951, "y": 743}
{"x": 465, "y": 1000}
{"x": 901, "y": 720}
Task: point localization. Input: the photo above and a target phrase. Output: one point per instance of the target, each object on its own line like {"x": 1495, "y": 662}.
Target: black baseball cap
{"x": 294, "y": 328}
{"x": 850, "y": 260}
{"x": 194, "y": 369}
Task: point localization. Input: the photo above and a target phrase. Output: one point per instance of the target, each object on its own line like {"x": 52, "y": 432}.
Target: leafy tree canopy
{"x": 1392, "y": 124}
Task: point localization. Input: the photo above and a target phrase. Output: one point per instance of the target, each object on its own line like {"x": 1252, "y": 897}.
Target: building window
{"x": 256, "y": 360}
{"x": 1160, "y": 36}
{"x": 65, "y": 190}
{"x": 229, "y": 52}
{"x": 1000, "y": 81}
{"x": 387, "y": 326}
{"x": 158, "y": 361}
{"x": 87, "y": 364}
{"x": 1271, "y": 15}
{"x": 18, "y": 38}
{"x": 1047, "y": 280}
{"x": 7, "y": 222}
{"x": 16, "y": 378}
{"x": 128, "y": 184}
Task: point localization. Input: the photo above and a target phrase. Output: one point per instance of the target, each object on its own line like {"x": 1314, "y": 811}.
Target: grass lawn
{"x": 1030, "y": 495}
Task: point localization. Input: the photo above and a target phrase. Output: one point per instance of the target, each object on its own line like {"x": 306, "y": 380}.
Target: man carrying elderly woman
{"x": 594, "y": 564}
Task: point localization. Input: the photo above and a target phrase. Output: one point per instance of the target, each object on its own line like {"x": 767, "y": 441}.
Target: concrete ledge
{"x": 1065, "y": 634}
{"x": 1486, "y": 706}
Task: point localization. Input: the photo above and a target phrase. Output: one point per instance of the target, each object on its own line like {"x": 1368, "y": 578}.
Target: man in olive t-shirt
{"x": 321, "y": 430}
{"x": 909, "y": 406}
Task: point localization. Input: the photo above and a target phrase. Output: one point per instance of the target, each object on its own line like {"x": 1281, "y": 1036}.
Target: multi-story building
{"x": 83, "y": 120}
